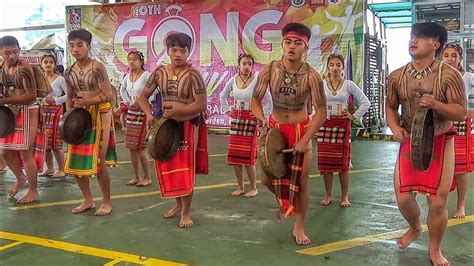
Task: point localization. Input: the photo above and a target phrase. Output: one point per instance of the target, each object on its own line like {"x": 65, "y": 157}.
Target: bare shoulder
{"x": 313, "y": 73}
{"x": 24, "y": 65}
{"x": 98, "y": 65}
{"x": 396, "y": 74}
{"x": 449, "y": 72}
{"x": 194, "y": 71}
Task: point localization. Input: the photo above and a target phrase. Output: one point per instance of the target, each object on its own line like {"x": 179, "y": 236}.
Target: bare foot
{"x": 237, "y": 192}
{"x": 29, "y": 197}
{"x": 144, "y": 183}
{"x": 280, "y": 215}
{"x": 83, "y": 207}
{"x": 172, "y": 212}
{"x": 460, "y": 214}
{"x": 437, "y": 259}
{"x": 17, "y": 187}
{"x": 326, "y": 201}
{"x": 345, "y": 203}
{"x": 104, "y": 209}
{"x": 252, "y": 193}
{"x": 58, "y": 174}
{"x": 48, "y": 172}
{"x": 186, "y": 221}
{"x": 132, "y": 182}
{"x": 411, "y": 235}
{"x": 301, "y": 238}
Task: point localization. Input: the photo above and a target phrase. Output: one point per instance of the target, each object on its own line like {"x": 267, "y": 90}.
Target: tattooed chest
{"x": 13, "y": 82}
{"x": 178, "y": 91}
{"x": 288, "y": 96}
{"x": 83, "y": 80}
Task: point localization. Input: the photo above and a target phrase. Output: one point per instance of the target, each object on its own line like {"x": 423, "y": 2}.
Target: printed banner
{"x": 221, "y": 30}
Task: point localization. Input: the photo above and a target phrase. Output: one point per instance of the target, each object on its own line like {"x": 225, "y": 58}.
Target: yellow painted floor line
{"x": 7, "y": 246}
{"x": 113, "y": 262}
{"x": 152, "y": 193}
{"x": 361, "y": 241}
{"x": 86, "y": 250}
{"x": 151, "y": 160}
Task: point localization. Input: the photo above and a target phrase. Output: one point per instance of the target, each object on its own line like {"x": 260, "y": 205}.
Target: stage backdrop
{"x": 220, "y": 29}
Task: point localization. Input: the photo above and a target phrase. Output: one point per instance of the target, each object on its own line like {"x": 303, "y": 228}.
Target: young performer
{"x": 295, "y": 88}
{"x": 52, "y": 111}
{"x": 464, "y": 139}
{"x": 25, "y": 146}
{"x": 243, "y": 137}
{"x": 334, "y": 150}
{"x": 425, "y": 83}
{"x": 88, "y": 87}
{"x": 184, "y": 99}
{"x": 136, "y": 127}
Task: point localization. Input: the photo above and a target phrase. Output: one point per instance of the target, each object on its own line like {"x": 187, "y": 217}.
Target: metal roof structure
{"x": 394, "y": 15}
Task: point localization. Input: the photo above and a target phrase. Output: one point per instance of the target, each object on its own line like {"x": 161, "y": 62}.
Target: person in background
{"x": 464, "y": 139}
{"x": 334, "y": 150}
{"x": 52, "y": 111}
{"x": 243, "y": 135}
{"x": 135, "y": 121}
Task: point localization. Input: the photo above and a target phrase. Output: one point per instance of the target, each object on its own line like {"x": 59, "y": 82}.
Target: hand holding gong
{"x": 169, "y": 111}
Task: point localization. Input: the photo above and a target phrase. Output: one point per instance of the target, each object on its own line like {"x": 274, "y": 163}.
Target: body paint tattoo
{"x": 181, "y": 88}
{"x": 87, "y": 79}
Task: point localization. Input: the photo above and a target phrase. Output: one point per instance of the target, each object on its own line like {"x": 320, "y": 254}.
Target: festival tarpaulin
{"x": 221, "y": 30}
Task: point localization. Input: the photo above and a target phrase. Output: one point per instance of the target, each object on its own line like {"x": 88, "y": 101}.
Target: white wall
{"x": 397, "y": 48}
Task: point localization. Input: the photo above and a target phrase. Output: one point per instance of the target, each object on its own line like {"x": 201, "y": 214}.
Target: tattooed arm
{"x": 259, "y": 93}
{"x": 391, "y": 107}
{"x": 27, "y": 79}
{"x": 318, "y": 101}
{"x": 147, "y": 91}
{"x": 456, "y": 107}
{"x": 70, "y": 93}
{"x": 106, "y": 94}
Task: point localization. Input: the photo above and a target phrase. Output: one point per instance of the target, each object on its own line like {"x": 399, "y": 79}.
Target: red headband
{"x": 296, "y": 36}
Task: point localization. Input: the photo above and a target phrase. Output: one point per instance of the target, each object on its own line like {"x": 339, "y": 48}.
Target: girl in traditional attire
{"x": 243, "y": 139}
{"x": 464, "y": 140}
{"x": 135, "y": 121}
{"x": 52, "y": 110}
{"x": 334, "y": 146}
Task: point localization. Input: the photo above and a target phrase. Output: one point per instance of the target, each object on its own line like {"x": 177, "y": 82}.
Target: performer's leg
{"x": 48, "y": 158}
{"x": 462, "y": 183}
{"x": 3, "y": 164}
{"x": 88, "y": 202}
{"x": 303, "y": 202}
{"x": 344, "y": 180}
{"x": 252, "y": 174}
{"x": 146, "y": 181}
{"x": 186, "y": 220}
{"x": 438, "y": 212}
{"x": 11, "y": 158}
{"x": 328, "y": 176}
{"x": 267, "y": 181}
{"x": 29, "y": 163}
{"x": 103, "y": 177}
{"x": 240, "y": 180}
{"x": 175, "y": 210}
{"x": 59, "y": 156}
{"x": 410, "y": 210}
{"x": 136, "y": 170}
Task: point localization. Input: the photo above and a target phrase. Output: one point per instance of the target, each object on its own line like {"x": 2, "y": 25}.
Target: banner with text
{"x": 221, "y": 30}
